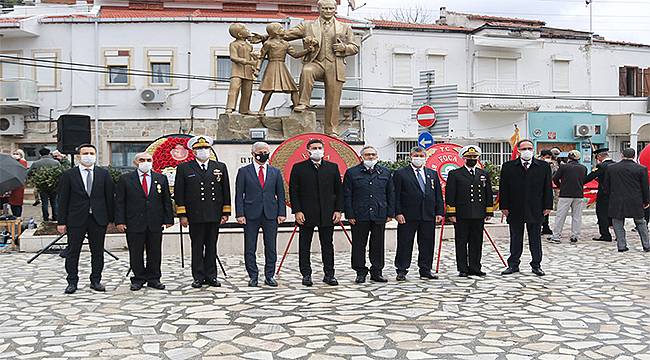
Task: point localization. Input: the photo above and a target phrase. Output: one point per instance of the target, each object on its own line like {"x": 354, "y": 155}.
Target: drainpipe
{"x": 97, "y": 89}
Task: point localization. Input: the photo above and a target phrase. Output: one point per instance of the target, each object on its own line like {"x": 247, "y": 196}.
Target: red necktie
{"x": 260, "y": 176}
{"x": 145, "y": 186}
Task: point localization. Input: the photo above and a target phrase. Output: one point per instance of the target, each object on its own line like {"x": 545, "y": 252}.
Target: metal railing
{"x": 510, "y": 87}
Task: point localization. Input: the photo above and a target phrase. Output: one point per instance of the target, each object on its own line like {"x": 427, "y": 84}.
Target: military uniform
{"x": 203, "y": 196}
{"x": 469, "y": 199}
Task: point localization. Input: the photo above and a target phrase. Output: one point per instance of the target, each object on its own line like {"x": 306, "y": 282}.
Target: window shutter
{"x": 622, "y": 81}
{"x": 646, "y": 82}
{"x": 638, "y": 73}
{"x": 402, "y": 70}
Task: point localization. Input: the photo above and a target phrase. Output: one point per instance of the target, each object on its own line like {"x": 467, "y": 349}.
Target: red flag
{"x": 514, "y": 139}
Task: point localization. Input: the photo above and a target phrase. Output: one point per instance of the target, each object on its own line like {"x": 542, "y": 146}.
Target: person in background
{"x": 48, "y": 198}
{"x": 61, "y": 158}
{"x": 547, "y": 155}
{"x": 626, "y": 184}
{"x": 17, "y": 195}
{"x": 602, "y": 199}
{"x": 570, "y": 178}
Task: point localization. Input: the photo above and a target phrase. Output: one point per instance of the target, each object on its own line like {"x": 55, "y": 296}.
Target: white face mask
{"x": 527, "y": 155}
{"x": 370, "y": 163}
{"x": 88, "y": 160}
{"x": 144, "y": 167}
{"x": 16, "y": 156}
{"x": 316, "y": 155}
{"x": 203, "y": 154}
{"x": 418, "y": 161}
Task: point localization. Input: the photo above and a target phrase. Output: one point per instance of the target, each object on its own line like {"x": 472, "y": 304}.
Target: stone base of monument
{"x": 236, "y": 126}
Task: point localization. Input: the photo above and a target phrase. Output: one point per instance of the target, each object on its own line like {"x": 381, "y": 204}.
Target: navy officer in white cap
{"x": 469, "y": 204}
{"x": 202, "y": 195}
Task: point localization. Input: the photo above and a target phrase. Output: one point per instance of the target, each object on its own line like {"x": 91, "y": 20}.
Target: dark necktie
{"x": 471, "y": 172}
{"x": 317, "y": 166}
{"x": 526, "y": 164}
{"x": 89, "y": 181}
{"x": 203, "y": 167}
{"x": 420, "y": 179}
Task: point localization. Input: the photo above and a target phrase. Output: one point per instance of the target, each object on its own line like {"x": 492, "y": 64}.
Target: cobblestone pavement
{"x": 594, "y": 303}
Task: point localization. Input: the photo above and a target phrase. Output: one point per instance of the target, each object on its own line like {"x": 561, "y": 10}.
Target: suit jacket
{"x": 139, "y": 212}
{"x": 570, "y": 178}
{"x": 253, "y": 201}
{"x": 316, "y": 193}
{"x": 240, "y": 52}
{"x": 75, "y": 204}
{"x": 202, "y": 196}
{"x": 525, "y": 194}
{"x": 626, "y": 183}
{"x": 599, "y": 173}
{"x": 313, "y": 29}
{"x": 467, "y": 196}
{"x": 369, "y": 196}
{"x": 411, "y": 202}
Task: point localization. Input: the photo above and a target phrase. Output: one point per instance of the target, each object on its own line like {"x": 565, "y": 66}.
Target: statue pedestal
{"x": 236, "y": 126}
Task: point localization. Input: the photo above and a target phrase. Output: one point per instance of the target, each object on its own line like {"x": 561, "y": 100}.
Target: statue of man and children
{"x": 326, "y": 42}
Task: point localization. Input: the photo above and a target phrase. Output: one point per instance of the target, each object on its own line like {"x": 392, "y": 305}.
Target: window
{"x": 633, "y": 81}
{"x": 118, "y": 63}
{"x": 46, "y": 77}
{"x": 31, "y": 150}
{"x": 402, "y": 69}
{"x": 403, "y": 148}
{"x": 497, "y": 69}
{"x": 495, "y": 152}
{"x": 436, "y": 63}
{"x": 123, "y": 153}
{"x": 561, "y": 75}
{"x": 223, "y": 68}
{"x": 10, "y": 69}
{"x": 161, "y": 64}
{"x": 160, "y": 73}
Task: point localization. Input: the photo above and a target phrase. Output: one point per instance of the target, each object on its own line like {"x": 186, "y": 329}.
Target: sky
{"x": 622, "y": 20}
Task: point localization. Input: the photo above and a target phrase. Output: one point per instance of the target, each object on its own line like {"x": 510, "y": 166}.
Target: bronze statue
{"x": 277, "y": 77}
{"x": 243, "y": 70}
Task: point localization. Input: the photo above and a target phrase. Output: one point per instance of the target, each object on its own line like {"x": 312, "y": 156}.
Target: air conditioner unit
{"x": 585, "y": 130}
{"x": 12, "y": 124}
{"x": 153, "y": 96}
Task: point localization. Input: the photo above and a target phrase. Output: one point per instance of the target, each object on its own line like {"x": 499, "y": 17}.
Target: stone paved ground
{"x": 593, "y": 304}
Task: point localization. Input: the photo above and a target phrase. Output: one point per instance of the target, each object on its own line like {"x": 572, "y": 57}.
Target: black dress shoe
{"x": 331, "y": 280}
{"x": 509, "y": 271}
{"x": 252, "y": 283}
{"x": 646, "y": 250}
{"x": 574, "y": 240}
{"x": 401, "y": 277}
{"x": 70, "y": 289}
{"x": 462, "y": 274}
{"x": 547, "y": 231}
{"x": 197, "y": 284}
{"x": 360, "y": 279}
{"x": 135, "y": 287}
{"x": 428, "y": 275}
{"x": 156, "y": 285}
{"x": 378, "y": 278}
{"x": 623, "y": 250}
{"x": 538, "y": 272}
{"x": 306, "y": 280}
{"x": 602, "y": 239}
{"x": 477, "y": 273}
{"x": 214, "y": 282}
{"x": 271, "y": 282}
{"x": 97, "y": 287}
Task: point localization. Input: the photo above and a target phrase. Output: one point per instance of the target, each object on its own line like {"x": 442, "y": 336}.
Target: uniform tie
{"x": 145, "y": 186}
{"x": 203, "y": 167}
{"x": 471, "y": 172}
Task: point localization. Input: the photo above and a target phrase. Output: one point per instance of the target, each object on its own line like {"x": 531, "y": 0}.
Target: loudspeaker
{"x": 72, "y": 131}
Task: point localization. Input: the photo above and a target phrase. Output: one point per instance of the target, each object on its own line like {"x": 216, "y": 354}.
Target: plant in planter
{"x": 394, "y": 165}
{"x": 46, "y": 179}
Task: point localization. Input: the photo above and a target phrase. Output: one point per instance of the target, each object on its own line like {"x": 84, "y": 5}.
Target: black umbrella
{"x": 12, "y": 174}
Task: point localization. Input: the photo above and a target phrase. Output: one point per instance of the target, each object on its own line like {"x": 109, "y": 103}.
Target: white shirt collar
{"x": 316, "y": 162}
{"x": 140, "y": 173}
{"x": 201, "y": 163}
{"x": 470, "y": 168}
{"x": 258, "y": 166}
{"x": 527, "y": 161}
{"x": 415, "y": 169}
{"x": 82, "y": 168}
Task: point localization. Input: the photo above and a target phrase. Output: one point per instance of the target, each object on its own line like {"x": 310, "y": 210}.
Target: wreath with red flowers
{"x": 162, "y": 152}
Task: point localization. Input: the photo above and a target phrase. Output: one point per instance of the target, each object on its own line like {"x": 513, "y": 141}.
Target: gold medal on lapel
{"x": 217, "y": 173}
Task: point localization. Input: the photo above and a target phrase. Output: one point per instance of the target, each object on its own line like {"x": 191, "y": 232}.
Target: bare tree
{"x": 413, "y": 15}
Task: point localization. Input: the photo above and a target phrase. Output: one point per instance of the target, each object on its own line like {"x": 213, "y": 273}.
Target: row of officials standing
{"x": 370, "y": 195}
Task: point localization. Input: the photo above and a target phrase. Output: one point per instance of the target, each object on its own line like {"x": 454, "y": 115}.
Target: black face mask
{"x": 471, "y": 162}
{"x": 263, "y": 157}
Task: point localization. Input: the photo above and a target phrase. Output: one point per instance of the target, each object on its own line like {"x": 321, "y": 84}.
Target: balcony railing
{"x": 18, "y": 92}
{"x": 508, "y": 88}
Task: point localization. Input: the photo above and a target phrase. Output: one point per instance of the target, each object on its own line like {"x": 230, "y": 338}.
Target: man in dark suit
{"x": 259, "y": 202}
{"x": 469, "y": 204}
{"x": 526, "y": 196}
{"x": 202, "y": 195}
{"x": 85, "y": 208}
{"x": 418, "y": 207}
{"x": 626, "y": 184}
{"x": 316, "y": 197}
{"x": 142, "y": 207}
{"x": 602, "y": 199}
{"x": 369, "y": 204}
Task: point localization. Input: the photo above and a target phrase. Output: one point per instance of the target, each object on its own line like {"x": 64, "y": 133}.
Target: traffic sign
{"x": 425, "y": 140}
{"x": 426, "y": 116}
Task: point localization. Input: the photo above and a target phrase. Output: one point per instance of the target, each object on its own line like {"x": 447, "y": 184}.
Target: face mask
{"x": 88, "y": 160}
{"x": 418, "y": 161}
{"x": 471, "y": 162}
{"x": 263, "y": 157}
{"x": 548, "y": 160}
{"x": 144, "y": 167}
{"x": 17, "y": 157}
{"x": 203, "y": 154}
{"x": 316, "y": 155}
{"x": 527, "y": 155}
{"x": 370, "y": 163}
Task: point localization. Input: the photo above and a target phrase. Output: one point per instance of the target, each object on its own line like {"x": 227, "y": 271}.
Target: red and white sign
{"x": 426, "y": 116}
{"x": 552, "y": 135}
{"x": 444, "y": 158}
